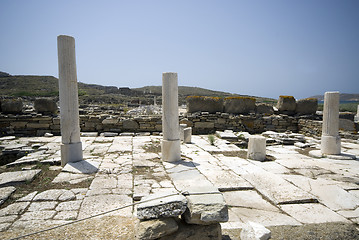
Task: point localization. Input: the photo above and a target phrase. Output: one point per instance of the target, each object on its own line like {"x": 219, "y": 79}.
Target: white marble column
{"x": 330, "y": 143}
{"x": 71, "y": 147}
{"x": 356, "y": 117}
{"x": 171, "y": 150}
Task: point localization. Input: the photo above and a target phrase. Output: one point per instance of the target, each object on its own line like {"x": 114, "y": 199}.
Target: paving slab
{"x": 5, "y": 193}
{"x": 248, "y": 199}
{"x": 40, "y": 206}
{"x": 14, "y": 209}
{"x": 227, "y": 180}
{"x": 66, "y": 215}
{"x": 275, "y": 187}
{"x": 104, "y": 182}
{"x": 82, "y": 167}
{"x": 18, "y": 177}
{"x": 69, "y": 206}
{"x": 312, "y": 213}
{"x": 54, "y": 195}
{"x": 266, "y": 218}
{"x": 332, "y": 196}
{"x": 72, "y": 178}
{"x": 93, "y": 205}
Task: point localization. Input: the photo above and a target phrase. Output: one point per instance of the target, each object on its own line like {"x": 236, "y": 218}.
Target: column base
{"x": 187, "y": 132}
{"x": 257, "y": 148}
{"x": 171, "y": 150}
{"x": 71, "y": 152}
{"x": 330, "y": 145}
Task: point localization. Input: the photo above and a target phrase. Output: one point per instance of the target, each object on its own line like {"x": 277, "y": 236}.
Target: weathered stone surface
{"x": 239, "y": 105}
{"x": 273, "y": 186}
{"x": 307, "y": 106}
{"x": 264, "y": 108}
{"x": 101, "y": 203}
{"x": 28, "y": 197}
{"x": 38, "y": 215}
{"x": 69, "y": 206}
{"x": 226, "y": 134}
{"x": 196, "y": 232}
{"x": 347, "y": 125}
{"x": 318, "y": 213}
{"x": 11, "y": 105}
{"x": 286, "y": 104}
{"x": 13, "y": 178}
{"x": 14, "y": 209}
{"x": 84, "y": 167}
{"x": 130, "y": 125}
{"x": 162, "y": 205}
{"x": 40, "y": 206}
{"x": 255, "y": 231}
{"x": 156, "y": 228}
{"x": 5, "y": 193}
{"x": 53, "y": 195}
{"x": 204, "y": 104}
{"x": 45, "y": 105}
{"x": 264, "y": 217}
{"x": 205, "y": 206}
{"x": 248, "y": 199}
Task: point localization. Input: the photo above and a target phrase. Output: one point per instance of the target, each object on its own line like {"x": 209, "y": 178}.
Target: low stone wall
{"x": 310, "y": 127}
{"x": 204, "y": 123}
{"x": 201, "y": 123}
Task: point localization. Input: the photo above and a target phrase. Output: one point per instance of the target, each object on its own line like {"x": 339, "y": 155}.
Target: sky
{"x": 251, "y": 47}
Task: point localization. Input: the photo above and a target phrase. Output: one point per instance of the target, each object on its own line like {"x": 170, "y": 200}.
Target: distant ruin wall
{"x": 201, "y": 123}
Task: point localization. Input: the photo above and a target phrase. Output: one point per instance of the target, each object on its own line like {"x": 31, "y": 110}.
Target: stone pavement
{"x": 294, "y": 189}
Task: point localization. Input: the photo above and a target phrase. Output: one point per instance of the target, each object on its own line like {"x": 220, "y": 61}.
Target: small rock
{"x": 48, "y": 135}
{"x": 153, "y": 229}
{"x": 255, "y": 231}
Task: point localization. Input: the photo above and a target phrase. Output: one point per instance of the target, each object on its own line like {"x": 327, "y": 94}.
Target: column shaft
{"x": 330, "y": 130}
{"x": 68, "y": 93}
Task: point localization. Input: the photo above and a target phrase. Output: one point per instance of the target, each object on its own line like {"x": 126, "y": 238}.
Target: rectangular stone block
{"x": 161, "y": 205}
{"x": 38, "y": 125}
{"x": 206, "y": 206}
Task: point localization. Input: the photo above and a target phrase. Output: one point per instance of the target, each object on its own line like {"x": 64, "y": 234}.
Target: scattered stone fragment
{"x": 18, "y": 177}
{"x": 255, "y": 231}
{"x": 5, "y": 193}
{"x": 156, "y": 228}
{"x": 162, "y": 205}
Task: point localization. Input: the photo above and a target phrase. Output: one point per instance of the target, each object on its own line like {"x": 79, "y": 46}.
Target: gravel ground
{"x": 324, "y": 231}
{"x": 111, "y": 227}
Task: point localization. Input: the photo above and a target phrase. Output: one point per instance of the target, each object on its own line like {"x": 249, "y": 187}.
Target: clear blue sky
{"x": 261, "y": 48}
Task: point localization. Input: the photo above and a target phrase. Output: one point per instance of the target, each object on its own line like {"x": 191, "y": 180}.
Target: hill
{"x": 47, "y": 86}
{"x": 343, "y": 97}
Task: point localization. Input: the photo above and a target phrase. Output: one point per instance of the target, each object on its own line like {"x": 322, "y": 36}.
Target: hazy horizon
{"x": 262, "y": 48}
